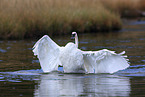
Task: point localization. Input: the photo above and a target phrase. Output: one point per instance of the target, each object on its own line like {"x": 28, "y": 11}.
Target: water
{"x": 21, "y": 75}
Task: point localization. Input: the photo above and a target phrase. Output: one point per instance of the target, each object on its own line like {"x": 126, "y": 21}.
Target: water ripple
{"x": 18, "y": 76}
{"x": 137, "y": 23}
{"x": 133, "y": 71}
{"x": 2, "y": 50}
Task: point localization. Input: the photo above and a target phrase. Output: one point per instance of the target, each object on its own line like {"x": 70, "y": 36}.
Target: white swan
{"x": 75, "y": 60}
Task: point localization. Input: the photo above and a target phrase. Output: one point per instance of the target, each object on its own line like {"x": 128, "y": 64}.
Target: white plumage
{"x": 75, "y": 60}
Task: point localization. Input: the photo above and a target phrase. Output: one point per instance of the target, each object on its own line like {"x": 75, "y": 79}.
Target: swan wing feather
{"x": 104, "y": 61}
{"x": 47, "y": 52}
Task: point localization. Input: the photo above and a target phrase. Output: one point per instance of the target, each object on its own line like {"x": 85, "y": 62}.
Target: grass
{"x": 21, "y": 19}
{"x": 126, "y": 8}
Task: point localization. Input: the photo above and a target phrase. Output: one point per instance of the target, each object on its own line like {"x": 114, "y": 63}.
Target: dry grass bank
{"x": 33, "y": 18}
{"x": 28, "y": 18}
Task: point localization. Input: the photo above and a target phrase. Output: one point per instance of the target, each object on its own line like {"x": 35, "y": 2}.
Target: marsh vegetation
{"x": 21, "y": 19}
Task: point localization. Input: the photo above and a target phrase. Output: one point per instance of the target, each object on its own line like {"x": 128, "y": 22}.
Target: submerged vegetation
{"x": 33, "y": 18}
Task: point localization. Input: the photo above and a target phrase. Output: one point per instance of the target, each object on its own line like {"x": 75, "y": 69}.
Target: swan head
{"x": 74, "y": 35}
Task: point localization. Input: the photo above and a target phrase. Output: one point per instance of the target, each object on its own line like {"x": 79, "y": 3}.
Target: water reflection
{"x": 53, "y": 85}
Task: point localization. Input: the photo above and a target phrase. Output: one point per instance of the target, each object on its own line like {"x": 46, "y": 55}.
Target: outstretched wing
{"x": 104, "y": 61}
{"x": 47, "y": 52}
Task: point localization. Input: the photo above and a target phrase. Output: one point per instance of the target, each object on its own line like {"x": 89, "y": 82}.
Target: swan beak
{"x": 73, "y": 36}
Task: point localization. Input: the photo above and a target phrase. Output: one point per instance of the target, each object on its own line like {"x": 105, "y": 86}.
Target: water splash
{"x": 18, "y": 76}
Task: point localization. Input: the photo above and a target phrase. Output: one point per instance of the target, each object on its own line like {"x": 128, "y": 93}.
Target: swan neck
{"x": 76, "y": 40}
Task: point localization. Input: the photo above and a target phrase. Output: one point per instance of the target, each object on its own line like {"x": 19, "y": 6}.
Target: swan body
{"x": 71, "y": 58}
{"x": 75, "y": 60}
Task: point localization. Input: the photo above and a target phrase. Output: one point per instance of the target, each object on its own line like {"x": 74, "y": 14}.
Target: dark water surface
{"x": 20, "y": 73}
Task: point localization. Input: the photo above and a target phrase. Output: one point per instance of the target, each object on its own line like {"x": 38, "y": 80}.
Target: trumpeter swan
{"x": 75, "y": 60}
